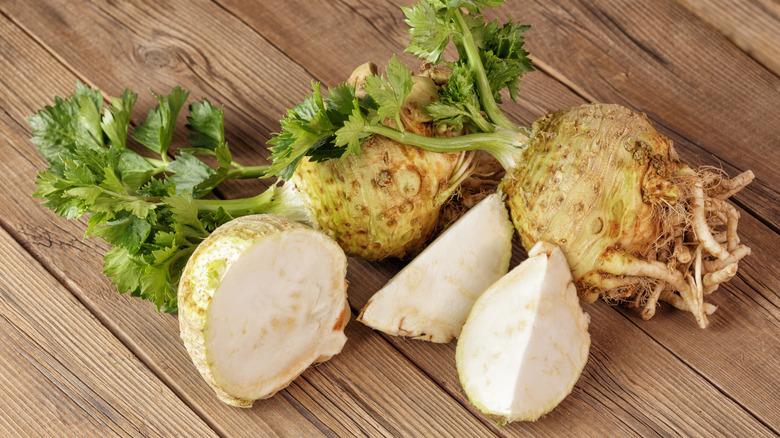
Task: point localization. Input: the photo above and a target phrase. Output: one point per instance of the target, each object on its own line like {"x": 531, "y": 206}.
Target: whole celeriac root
{"x": 637, "y": 225}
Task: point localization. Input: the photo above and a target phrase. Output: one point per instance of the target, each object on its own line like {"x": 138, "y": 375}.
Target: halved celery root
{"x": 260, "y": 300}
{"x": 431, "y": 297}
{"x": 526, "y": 340}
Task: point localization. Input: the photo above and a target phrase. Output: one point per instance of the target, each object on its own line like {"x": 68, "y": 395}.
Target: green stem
{"x": 279, "y": 200}
{"x": 482, "y": 123}
{"x": 245, "y": 172}
{"x": 237, "y": 171}
{"x": 238, "y": 207}
{"x": 159, "y": 165}
{"x": 484, "y": 91}
{"x": 128, "y": 197}
{"x": 503, "y": 144}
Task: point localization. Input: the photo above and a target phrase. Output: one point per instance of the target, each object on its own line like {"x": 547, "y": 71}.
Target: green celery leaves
{"x": 333, "y": 126}
{"x": 156, "y": 131}
{"x": 146, "y": 208}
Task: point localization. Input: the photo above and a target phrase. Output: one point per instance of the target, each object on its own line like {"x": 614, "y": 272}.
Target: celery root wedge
{"x": 431, "y": 297}
{"x": 260, "y": 300}
{"x": 526, "y": 341}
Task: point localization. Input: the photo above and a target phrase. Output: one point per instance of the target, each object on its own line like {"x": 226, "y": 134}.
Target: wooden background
{"x": 79, "y": 359}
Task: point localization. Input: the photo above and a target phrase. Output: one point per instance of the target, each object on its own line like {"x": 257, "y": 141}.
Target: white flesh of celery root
{"x": 526, "y": 340}
{"x": 260, "y": 300}
{"x": 431, "y": 297}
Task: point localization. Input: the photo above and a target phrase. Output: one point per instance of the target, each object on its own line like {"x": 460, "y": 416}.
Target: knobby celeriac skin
{"x": 635, "y": 223}
{"x": 386, "y": 201}
{"x": 382, "y": 203}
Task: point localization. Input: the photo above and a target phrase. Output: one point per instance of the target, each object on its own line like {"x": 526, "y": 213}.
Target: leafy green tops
{"x": 150, "y": 206}
{"x": 491, "y": 59}
{"x": 145, "y": 207}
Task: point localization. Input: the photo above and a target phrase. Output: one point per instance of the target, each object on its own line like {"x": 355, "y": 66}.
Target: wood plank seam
{"x": 457, "y": 394}
{"x": 42, "y": 45}
{"x": 763, "y": 55}
{"x": 702, "y": 375}
{"x": 271, "y": 43}
{"x": 607, "y": 391}
{"x": 53, "y": 358}
{"x": 128, "y": 345}
{"x": 739, "y": 294}
{"x": 173, "y": 388}
{"x": 692, "y": 145}
{"x": 307, "y": 413}
{"x": 355, "y": 395}
{"x": 544, "y": 67}
{"x": 41, "y": 353}
{"x": 45, "y": 373}
{"x": 16, "y": 236}
{"x": 596, "y": 399}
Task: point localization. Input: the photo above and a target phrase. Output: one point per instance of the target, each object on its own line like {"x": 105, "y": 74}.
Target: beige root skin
{"x": 723, "y": 188}
{"x": 648, "y": 310}
{"x": 636, "y": 224}
{"x": 385, "y": 202}
{"x": 700, "y": 260}
{"x": 700, "y": 226}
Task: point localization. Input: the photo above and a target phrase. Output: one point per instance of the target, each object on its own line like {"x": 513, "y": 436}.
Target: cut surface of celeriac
{"x": 431, "y": 297}
{"x": 260, "y": 300}
{"x": 525, "y": 342}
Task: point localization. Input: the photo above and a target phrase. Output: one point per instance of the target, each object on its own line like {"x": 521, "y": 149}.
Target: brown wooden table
{"x": 79, "y": 359}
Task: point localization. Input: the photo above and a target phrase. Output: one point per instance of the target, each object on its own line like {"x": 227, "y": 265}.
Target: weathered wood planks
{"x": 738, "y": 303}
{"x": 714, "y": 101}
{"x": 258, "y": 59}
{"x": 64, "y": 373}
{"x": 759, "y": 39}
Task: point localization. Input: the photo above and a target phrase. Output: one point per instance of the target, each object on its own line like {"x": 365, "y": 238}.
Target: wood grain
{"x": 740, "y": 306}
{"x": 623, "y": 366}
{"x": 662, "y": 376}
{"x": 759, "y": 40}
{"x": 698, "y": 82}
{"x": 717, "y": 103}
{"x": 64, "y": 373}
{"x": 60, "y": 245}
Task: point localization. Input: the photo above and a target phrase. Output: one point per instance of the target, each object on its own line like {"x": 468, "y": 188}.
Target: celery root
{"x": 386, "y": 201}
{"x": 260, "y": 300}
{"x": 431, "y": 297}
{"x": 525, "y": 342}
{"x": 636, "y": 224}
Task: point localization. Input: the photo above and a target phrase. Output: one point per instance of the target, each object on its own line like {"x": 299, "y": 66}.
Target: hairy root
{"x": 697, "y": 250}
{"x": 484, "y": 175}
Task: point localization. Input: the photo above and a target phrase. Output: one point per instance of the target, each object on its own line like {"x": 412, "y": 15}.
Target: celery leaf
{"x": 156, "y": 131}
{"x": 116, "y": 118}
{"x": 389, "y": 92}
{"x": 207, "y": 125}
{"x": 430, "y": 30}
{"x": 310, "y": 129}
